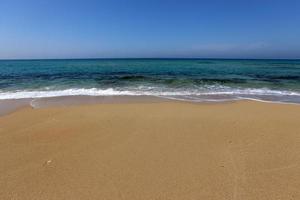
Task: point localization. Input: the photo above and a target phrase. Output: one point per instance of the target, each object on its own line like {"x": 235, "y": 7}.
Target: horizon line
{"x": 145, "y": 58}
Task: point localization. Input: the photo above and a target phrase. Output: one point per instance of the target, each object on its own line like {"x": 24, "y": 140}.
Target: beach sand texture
{"x": 165, "y": 150}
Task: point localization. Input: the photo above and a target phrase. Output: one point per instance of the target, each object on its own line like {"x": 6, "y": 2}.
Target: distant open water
{"x": 183, "y": 79}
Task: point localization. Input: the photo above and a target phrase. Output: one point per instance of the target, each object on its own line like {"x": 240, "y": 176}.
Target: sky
{"x": 149, "y": 28}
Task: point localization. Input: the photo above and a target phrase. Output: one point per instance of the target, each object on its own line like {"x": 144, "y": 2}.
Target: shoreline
{"x": 12, "y": 105}
{"x": 8, "y": 106}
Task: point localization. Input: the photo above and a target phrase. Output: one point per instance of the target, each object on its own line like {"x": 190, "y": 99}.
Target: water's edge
{"x": 8, "y": 106}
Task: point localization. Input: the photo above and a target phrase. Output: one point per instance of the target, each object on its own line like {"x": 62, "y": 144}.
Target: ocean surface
{"x": 195, "y": 80}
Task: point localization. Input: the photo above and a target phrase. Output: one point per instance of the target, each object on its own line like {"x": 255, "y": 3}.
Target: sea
{"x": 195, "y": 80}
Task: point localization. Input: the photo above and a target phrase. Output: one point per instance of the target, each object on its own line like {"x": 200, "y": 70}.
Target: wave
{"x": 209, "y": 93}
{"x": 66, "y": 92}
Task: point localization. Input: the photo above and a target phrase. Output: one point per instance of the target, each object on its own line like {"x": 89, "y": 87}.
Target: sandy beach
{"x": 161, "y": 150}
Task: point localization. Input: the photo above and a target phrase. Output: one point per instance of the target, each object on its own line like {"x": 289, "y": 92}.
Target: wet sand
{"x": 10, "y": 105}
{"x": 160, "y": 150}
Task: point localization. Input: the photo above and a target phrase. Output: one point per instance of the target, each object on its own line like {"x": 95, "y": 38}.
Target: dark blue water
{"x": 186, "y": 79}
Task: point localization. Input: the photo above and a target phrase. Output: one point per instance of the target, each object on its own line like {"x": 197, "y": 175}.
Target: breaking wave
{"x": 215, "y": 93}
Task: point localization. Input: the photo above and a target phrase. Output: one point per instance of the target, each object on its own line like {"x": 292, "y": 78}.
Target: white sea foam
{"x": 67, "y": 92}
{"x": 191, "y": 94}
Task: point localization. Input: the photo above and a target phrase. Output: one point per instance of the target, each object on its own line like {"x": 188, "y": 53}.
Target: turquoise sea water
{"x": 184, "y": 79}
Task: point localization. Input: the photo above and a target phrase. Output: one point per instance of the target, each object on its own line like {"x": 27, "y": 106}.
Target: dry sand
{"x": 167, "y": 150}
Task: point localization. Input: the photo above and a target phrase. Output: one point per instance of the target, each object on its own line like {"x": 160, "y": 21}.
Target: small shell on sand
{"x": 48, "y": 162}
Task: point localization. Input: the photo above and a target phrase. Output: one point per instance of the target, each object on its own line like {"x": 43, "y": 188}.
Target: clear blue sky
{"x": 149, "y": 28}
